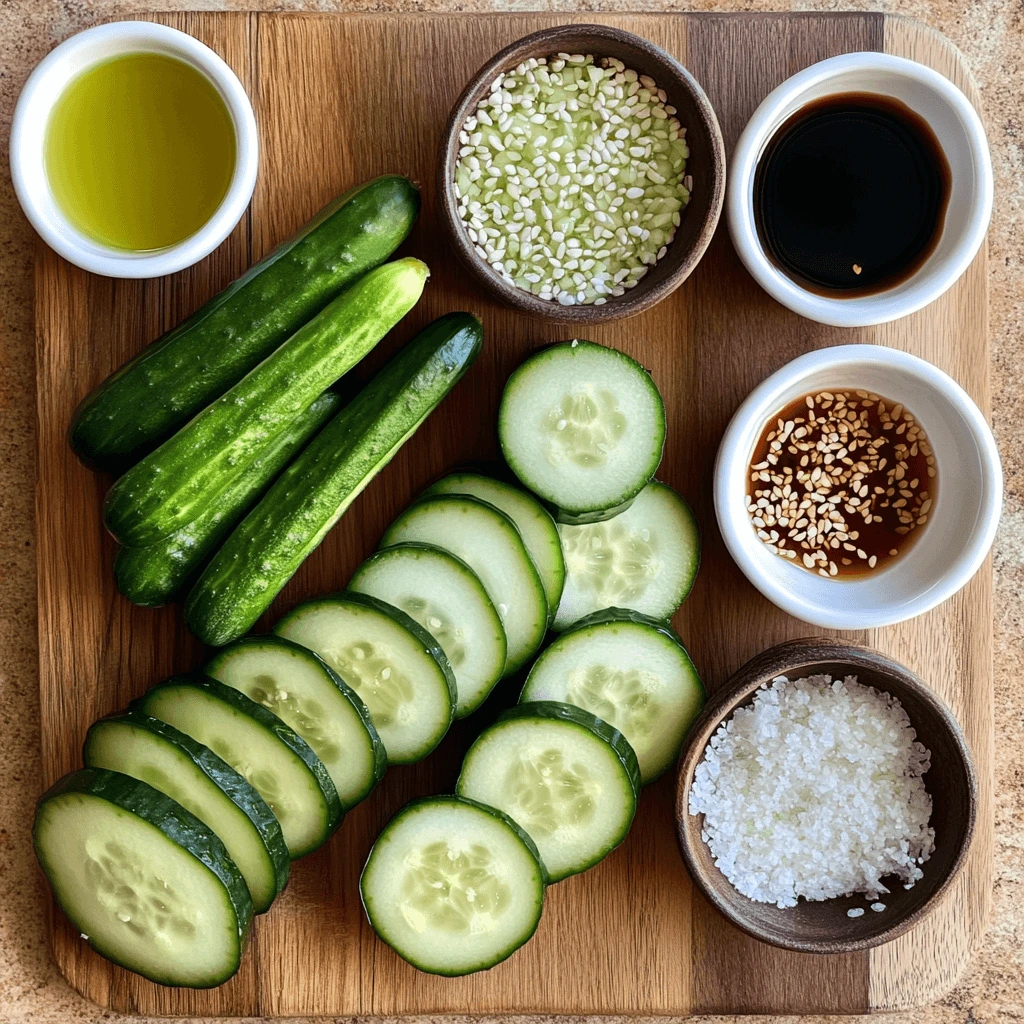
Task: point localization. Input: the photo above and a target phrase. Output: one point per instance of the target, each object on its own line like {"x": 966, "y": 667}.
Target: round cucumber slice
{"x": 453, "y": 886}
{"x": 144, "y": 881}
{"x": 488, "y": 542}
{"x": 644, "y": 559}
{"x": 531, "y": 519}
{"x": 630, "y": 671}
{"x": 566, "y": 778}
{"x": 394, "y": 665}
{"x": 583, "y": 426}
{"x": 205, "y": 785}
{"x": 448, "y": 600}
{"x": 306, "y": 694}
{"x": 278, "y": 763}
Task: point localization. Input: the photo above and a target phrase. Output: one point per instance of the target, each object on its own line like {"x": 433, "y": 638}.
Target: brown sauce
{"x": 850, "y": 194}
{"x": 841, "y": 482}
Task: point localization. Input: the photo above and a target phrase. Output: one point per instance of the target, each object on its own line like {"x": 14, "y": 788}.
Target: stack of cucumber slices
{"x": 601, "y": 553}
{"x": 195, "y": 800}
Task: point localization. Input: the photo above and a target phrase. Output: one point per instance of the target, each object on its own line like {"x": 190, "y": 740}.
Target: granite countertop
{"x": 990, "y": 33}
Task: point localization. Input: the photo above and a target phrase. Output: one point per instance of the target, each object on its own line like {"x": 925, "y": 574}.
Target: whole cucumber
{"x": 164, "y": 386}
{"x": 310, "y": 496}
{"x": 187, "y": 474}
{"x": 155, "y": 574}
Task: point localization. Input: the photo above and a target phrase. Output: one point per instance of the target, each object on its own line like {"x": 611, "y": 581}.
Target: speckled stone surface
{"x": 990, "y": 33}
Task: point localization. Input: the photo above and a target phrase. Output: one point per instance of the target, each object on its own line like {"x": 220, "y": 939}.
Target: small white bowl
{"x": 28, "y": 136}
{"x": 959, "y": 131}
{"x": 963, "y": 518}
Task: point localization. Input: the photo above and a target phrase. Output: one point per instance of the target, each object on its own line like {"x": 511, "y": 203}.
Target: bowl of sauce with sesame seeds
{"x": 858, "y": 486}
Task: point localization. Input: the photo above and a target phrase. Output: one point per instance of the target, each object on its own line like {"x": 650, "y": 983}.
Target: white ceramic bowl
{"x": 28, "y": 135}
{"x": 963, "y": 518}
{"x": 961, "y": 134}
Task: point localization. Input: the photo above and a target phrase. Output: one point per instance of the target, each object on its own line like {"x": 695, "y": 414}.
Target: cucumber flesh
{"x": 488, "y": 542}
{"x": 448, "y": 600}
{"x": 186, "y": 475}
{"x": 147, "y": 883}
{"x": 583, "y": 426}
{"x": 178, "y": 375}
{"x": 205, "y": 785}
{"x": 453, "y": 886}
{"x": 632, "y": 673}
{"x": 312, "y": 494}
{"x": 278, "y": 764}
{"x": 569, "y": 780}
{"x": 396, "y": 667}
{"x": 645, "y": 559}
{"x": 306, "y": 694}
{"x": 532, "y": 520}
{"x": 155, "y": 574}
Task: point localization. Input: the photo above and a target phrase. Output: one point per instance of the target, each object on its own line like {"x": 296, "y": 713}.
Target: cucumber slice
{"x": 206, "y": 786}
{"x": 645, "y": 559}
{"x": 448, "y": 600}
{"x": 567, "y": 778}
{"x": 453, "y": 886}
{"x": 396, "y": 667}
{"x": 531, "y": 519}
{"x": 303, "y": 691}
{"x": 259, "y": 746}
{"x": 583, "y": 426}
{"x": 630, "y": 671}
{"x": 488, "y": 542}
{"x": 147, "y": 883}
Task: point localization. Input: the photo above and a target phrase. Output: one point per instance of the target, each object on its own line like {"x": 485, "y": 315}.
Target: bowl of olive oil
{"x": 133, "y": 150}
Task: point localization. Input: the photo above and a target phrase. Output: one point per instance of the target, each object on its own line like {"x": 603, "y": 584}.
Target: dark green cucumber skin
{"x": 554, "y": 709}
{"x": 153, "y": 575}
{"x": 140, "y": 405}
{"x": 186, "y": 475}
{"x": 269, "y": 721}
{"x": 411, "y": 808}
{"x": 309, "y": 497}
{"x": 380, "y": 755}
{"x": 180, "y": 827}
{"x": 222, "y": 775}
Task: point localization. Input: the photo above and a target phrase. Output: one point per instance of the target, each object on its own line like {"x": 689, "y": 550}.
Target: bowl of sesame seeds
{"x": 582, "y": 174}
{"x": 858, "y": 486}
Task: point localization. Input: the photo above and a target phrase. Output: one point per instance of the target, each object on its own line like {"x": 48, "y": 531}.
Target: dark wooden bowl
{"x": 823, "y": 927}
{"x": 706, "y": 164}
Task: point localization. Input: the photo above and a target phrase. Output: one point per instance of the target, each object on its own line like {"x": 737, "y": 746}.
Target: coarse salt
{"x": 815, "y": 790}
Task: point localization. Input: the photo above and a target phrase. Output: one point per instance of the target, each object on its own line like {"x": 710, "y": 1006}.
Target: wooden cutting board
{"x": 343, "y": 98}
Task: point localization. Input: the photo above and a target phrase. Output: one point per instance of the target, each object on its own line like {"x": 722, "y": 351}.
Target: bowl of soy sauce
{"x": 860, "y": 189}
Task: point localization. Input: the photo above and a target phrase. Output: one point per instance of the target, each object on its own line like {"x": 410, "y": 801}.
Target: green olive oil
{"x": 140, "y": 151}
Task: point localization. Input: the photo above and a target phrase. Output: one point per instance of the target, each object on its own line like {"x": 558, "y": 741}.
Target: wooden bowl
{"x": 706, "y": 164}
{"x": 823, "y": 927}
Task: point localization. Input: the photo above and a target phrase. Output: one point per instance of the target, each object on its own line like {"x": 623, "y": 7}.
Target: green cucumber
{"x": 205, "y": 785}
{"x": 310, "y": 496}
{"x": 187, "y": 474}
{"x": 271, "y": 756}
{"x": 164, "y": 386}
{"x": 155, "y": 574}
{"x": 145, "y": 882}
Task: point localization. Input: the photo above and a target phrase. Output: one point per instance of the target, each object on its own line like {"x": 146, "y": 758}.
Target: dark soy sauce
{"x": 851, "y": 193}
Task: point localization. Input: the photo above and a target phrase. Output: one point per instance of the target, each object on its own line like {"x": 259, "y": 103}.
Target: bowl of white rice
{"x": 826, "y": 798}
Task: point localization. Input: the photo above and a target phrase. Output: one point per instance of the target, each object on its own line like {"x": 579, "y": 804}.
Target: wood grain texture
{"x": 342, "y": 98}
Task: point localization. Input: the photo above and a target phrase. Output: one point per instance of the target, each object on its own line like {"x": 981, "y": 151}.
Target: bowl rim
{"x": 881, "y": 307}
{"x": 65, "y": 62}
{"x": 763, "y": 401}
{"x": 636, "y": 300}
{"x": 737, "y": 691}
